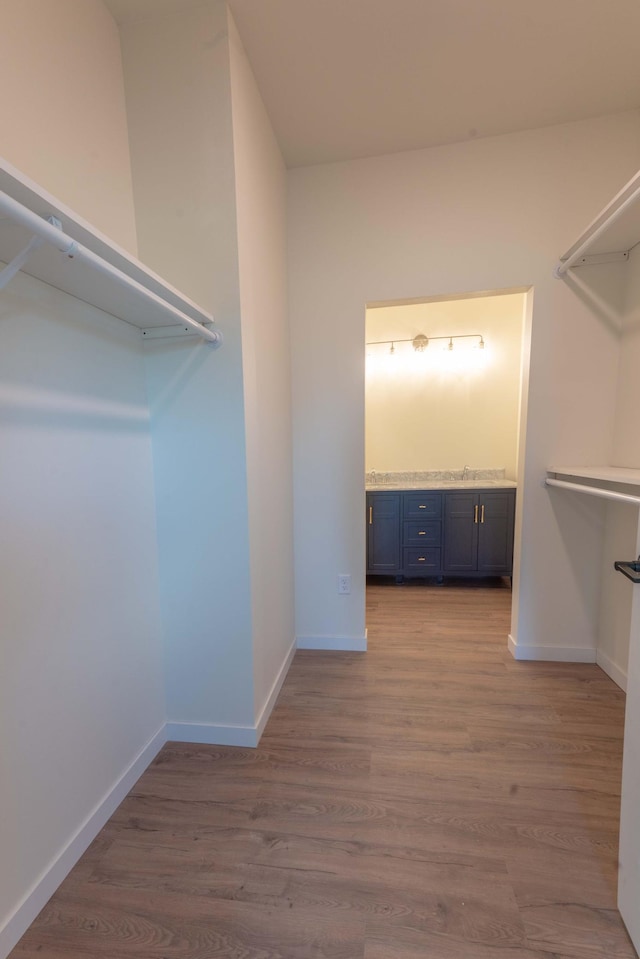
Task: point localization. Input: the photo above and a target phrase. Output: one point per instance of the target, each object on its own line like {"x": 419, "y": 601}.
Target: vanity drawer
{"x": 426, "y": 533}
{"x": 422, "y": 506}
{"x": 426, "y": 561}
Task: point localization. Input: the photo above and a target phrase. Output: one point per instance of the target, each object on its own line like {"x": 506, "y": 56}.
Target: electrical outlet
{"x": 344, "y": 583}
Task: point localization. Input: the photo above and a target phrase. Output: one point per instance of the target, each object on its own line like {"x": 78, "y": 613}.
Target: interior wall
{"x": 622, "y": 521}
{"x": 629, "y": 869}
{"x": 626, "y": 440}
{"x": 80, "y": 676}
{"x": 62, "y": 113}
{"x": 81, "y": 693}
{"x": 261, "y": 209}
{"x": 177, "y": 77}
{"x": 626, "y": 452}
{"x": 489, "y": 214}
{"x": 442, "y": 409}
{"x": 617, "y": 592}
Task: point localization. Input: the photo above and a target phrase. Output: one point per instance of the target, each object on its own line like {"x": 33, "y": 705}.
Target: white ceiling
{"x": 352, "y": 78}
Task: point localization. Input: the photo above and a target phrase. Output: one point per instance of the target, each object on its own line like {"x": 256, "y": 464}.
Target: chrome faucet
{"x": 465, "y": 472}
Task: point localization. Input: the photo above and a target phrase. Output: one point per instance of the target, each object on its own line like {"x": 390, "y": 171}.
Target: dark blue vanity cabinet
{"x": 383, "y": 533}
{"x": 478, "y": 532}
{"x": 433, "y": 533}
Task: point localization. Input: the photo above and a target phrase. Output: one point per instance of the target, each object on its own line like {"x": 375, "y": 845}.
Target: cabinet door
{"x": 460, "y": 532}
{"x": 495, "y": 532}
{"x": 383, "y": 532}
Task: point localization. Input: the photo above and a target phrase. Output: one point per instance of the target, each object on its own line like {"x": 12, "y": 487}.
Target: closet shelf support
{"x": 19, "y": 261}
{"x": 22, "y": 257}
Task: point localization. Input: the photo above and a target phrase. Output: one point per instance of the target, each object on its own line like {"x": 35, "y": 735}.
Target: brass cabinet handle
{"x": 371, "y": 516}
{"x": 475, "y": 513}
{"x": 421, "y": 532}
{"x": 482, "y": 514}
{"x": 422, "y": 559}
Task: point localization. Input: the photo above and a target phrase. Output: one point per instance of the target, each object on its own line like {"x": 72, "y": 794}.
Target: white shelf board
{"x": 63, "y": 273}
{"x": 622, "y": 234}
{"x": 614, "y": 476}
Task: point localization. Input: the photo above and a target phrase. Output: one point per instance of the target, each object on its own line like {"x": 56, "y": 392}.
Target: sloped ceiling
{"x": 352, "y": 78}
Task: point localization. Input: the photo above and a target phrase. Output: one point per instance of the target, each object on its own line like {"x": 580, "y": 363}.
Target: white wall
{"x": 261, "y": 209}
{"x": 442, "y": 409}
{"x": 80, "y": 678}
{"x": 629, "y": 870}
{"x": 211, "y": 207}
{"x": 614, "y": 294}
{"x": 489, "y": 214}
{"x": 62, "y": 112}
{"x": 626, "y": 441}
{"x": 177, "y": 78}
{"x": 81, "y": 690}
{"x": 617, "y": 594}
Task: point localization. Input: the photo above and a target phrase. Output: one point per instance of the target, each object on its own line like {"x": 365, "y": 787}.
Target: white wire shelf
{"x": 74, "y": 257}
{"x": 616, "y": 483}
{"x": 616, "y": 230}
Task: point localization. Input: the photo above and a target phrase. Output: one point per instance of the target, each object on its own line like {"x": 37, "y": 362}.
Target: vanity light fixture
{"x": 421, "y": 342}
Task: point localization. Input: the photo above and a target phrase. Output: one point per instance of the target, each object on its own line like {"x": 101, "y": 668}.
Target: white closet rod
{"x": 595, "y": 491}
{"x": 50, "y": 233}
{"x": 603, "y": 226}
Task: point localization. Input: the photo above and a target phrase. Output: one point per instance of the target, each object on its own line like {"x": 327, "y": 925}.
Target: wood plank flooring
{"x": 431, "y": 798}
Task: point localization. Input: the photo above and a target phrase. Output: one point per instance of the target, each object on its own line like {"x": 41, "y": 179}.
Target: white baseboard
{"x": 211, "y": 734}
{"x": 51, "y": 877}
{"x": 615, "y": 672}
{"x": 553, "y": 654}
{"x": 571, "y": 654}
{"x": 267, "y": 709}
{"x": 353, "y": 644}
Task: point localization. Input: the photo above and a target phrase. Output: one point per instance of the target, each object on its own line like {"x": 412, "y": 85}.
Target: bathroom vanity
{"x": 445, "y": 528}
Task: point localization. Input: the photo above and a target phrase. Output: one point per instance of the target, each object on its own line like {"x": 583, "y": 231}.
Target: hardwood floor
{"x": 431, "y": 798}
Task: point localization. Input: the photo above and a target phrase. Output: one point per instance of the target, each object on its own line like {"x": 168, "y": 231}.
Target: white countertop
{"x": 442, "y": 484}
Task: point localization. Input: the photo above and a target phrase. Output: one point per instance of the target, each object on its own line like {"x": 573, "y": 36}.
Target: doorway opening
{"x": 445, "y": 389}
